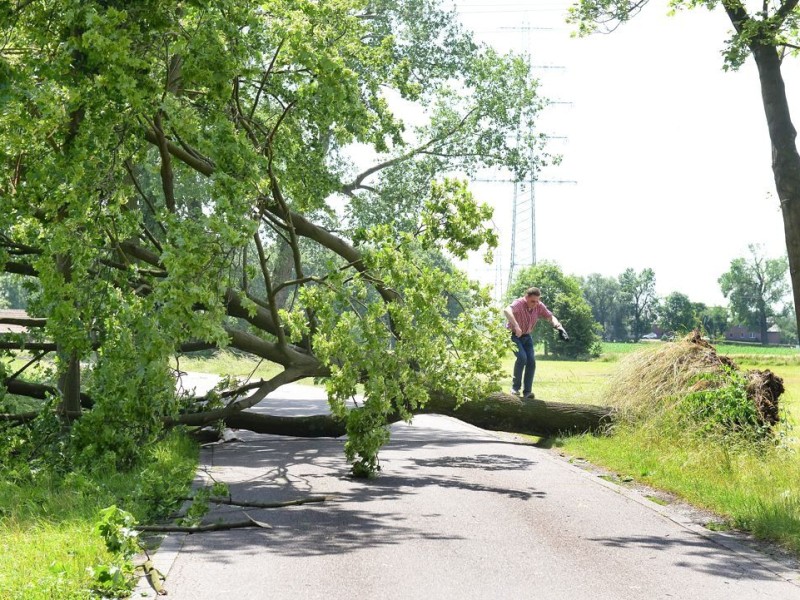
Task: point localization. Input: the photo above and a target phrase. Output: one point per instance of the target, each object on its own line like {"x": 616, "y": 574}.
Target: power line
{"x": 523, "y": 215}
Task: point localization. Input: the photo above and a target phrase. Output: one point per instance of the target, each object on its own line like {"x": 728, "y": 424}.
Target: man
{"x": 522, "y": 315}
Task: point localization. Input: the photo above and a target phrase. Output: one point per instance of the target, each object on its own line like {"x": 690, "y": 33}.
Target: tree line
{"x": 626, "y": 307}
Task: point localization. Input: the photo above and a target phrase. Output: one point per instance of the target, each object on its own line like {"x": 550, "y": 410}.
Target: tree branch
{"x": 28, "y": 322}
{"x": 167, "y": 177}
{"x": 264, "y": 389}
{"x": 129, "y": 169}
{"x": 299, "y": 502}
{"x": 39, "y": 390}
{"x": 201, "y": 165}
{"x": 357, "y": 183}
{"x": 20, "y": 269}
{"x": 784, "y": 10}
{"x": 202, "y": 528}
{"x": 262, "y": 319}
{"x": 273, "y": 308}
{"x": 264, "y": 78}
{"x": 288, "y": 356}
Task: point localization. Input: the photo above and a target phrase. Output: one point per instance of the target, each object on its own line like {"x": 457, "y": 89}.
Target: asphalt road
{"x": 457, "y": 512}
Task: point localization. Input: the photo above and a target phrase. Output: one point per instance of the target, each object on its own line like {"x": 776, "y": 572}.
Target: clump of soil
{"x": 657, "y": 378}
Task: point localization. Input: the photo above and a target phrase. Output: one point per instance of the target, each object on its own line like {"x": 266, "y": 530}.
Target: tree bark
{"x": 498, "y": 412}
{"x": 39, "y": 390}
{"x": 785, "y": 158}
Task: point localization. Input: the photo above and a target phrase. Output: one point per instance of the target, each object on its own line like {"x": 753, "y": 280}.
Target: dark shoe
{"x": 530, "y": 396}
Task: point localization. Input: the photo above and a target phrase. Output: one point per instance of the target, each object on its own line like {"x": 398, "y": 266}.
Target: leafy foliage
{"x": 638, "y": 296}
{"x": 199, "y": 506}
{"x": 603, "y": 295}
{"x": 721, "y": 406}
{"x": 755, "y": 287}
{"x": 677, "y": 314}
{"x": 116, "y": 527}
{"x": 714, "y": 320}
{"x": 184, "y": 173}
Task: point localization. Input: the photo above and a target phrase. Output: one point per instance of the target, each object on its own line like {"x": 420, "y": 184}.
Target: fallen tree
{"x": 497, "y": 412}
{"x": 176, "y": 178}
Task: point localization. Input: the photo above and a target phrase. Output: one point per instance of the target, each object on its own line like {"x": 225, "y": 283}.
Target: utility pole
{"x": 523, "y": 252}
{"x": 523, "y": 216}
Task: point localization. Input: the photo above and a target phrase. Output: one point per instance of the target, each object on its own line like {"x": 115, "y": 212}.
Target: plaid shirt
{"x": 527, "y": 317}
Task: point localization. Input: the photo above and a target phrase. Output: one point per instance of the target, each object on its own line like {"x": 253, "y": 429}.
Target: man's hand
{"x": 562, "y": 333}
{"x": 517, "y": 331}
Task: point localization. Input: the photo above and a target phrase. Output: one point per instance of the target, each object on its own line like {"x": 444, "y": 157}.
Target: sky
{"x": 666, "y": 156}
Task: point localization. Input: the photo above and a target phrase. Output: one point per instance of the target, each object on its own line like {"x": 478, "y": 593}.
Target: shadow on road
{"x": 715, "y": 559}
{"x": 267, "y": 468}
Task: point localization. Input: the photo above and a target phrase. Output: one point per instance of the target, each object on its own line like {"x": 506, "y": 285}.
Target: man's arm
{"x": 562, "y": 333}
{"x": 512, "y": 320}
{"x": 554, "y": 321}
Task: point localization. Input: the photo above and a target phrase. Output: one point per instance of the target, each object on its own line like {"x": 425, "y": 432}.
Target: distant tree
{"x": 787, "y": 323}
{"x": 638, "y": 296}
{"x": 677, "y": 313}
{"x": 755, "y": 286}
{"x": 715, "y": 320}
{"x": 12, "y": 291}
{"x": 603, "y": 295}
{"x": 563, "y": 295}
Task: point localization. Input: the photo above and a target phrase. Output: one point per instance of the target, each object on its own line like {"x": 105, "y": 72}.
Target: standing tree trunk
{"x": 69, "y": 385}
{"x": 69, "y": 381}
{"x": 785, "y": 158}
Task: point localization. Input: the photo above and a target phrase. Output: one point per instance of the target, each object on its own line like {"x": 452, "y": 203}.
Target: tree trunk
{"x": 69, "y": 384}
{"x": 283, "y": 272}
{"x": 498, "y": 412}
{"x": 785, "y": 159}
{"x": 69, "y": 381}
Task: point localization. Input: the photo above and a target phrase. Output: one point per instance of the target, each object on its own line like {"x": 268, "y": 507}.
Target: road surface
{"x": 457, "y": 512}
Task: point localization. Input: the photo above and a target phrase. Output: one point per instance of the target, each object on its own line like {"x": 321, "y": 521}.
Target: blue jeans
{"x": 526, "y": 362}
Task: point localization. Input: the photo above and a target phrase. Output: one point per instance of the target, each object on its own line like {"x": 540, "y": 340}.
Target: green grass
{"x": 775, "y": 354}
{"x": 755, "y": 491}
{"x": 226, "y": 362}
{"x": 47, "y": 536}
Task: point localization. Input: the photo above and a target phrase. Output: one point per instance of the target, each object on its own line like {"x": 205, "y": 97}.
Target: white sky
{"x": 669, "y": 153}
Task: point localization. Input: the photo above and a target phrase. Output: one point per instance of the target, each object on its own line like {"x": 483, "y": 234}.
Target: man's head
{"x": 533, "y": 296}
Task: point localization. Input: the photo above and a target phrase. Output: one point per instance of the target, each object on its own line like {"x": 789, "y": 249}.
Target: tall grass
{"x": 753, "y": 484}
